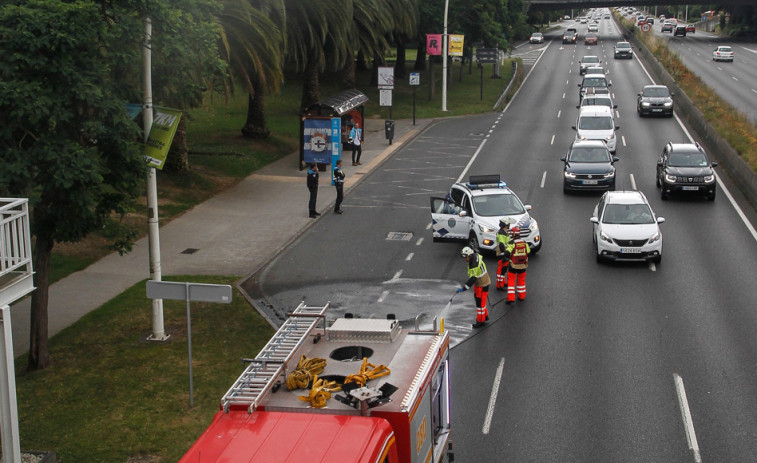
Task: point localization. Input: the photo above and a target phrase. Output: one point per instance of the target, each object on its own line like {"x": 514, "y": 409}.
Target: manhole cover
{"x": 399, "y": 236}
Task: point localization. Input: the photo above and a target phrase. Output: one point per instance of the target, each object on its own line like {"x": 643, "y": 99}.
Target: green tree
{"x": 66, "y": 141}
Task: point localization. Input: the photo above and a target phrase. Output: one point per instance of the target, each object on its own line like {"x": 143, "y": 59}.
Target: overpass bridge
{"x": 585, "y": 4}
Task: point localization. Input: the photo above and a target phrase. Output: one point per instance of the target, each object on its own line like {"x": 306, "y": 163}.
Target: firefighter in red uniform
{"x": 503, "y": 239}
{"x": 479, "y": 279}
{"x": 517, "y": 253}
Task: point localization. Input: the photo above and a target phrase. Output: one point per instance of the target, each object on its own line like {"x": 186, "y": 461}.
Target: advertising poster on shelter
{"x": 317, "y": 137}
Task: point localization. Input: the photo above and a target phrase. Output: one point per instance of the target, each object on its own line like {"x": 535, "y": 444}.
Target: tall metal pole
{"x": 444, "y": 54}
{"x": 158, "y": 330}
{"x": 8, "y": 405}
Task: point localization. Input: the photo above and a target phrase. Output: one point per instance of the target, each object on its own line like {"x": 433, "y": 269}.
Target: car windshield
{"x": 497, "y": 205}
{"x": 627, "y": 214}
{"x": 695, "y": 159}
{"x": 623, "y": 45}
{"x": 656, "y": 92}
{"x": 589, "y": 60}
{"x": 536, "y": 34}
{"x": 594, "y": 82}
{"x": 585, "y": 154}
{"x": 595, "y": 123}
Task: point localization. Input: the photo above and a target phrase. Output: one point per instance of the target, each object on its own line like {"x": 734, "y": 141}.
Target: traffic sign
{"x": 487, "y": 55}
{"x": 646, "y": 27}
{"x": 415, "y": 78}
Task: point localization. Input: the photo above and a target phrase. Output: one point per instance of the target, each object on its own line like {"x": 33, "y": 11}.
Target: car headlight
{"x": 668, "y": 104}
{"x": 610, "y": 174}
{"x": 709, "y": 178}
{"x": 569, "y": 174}
{"x": 644, "y": 103}
{"x": 670, "y": 178}
{"x": 610, "y": 138}
{"x": 485, "y": 229}
{"x": 581, "y": 137}
{"x": 656, "y": 237}
{"x": 604, "y": 237}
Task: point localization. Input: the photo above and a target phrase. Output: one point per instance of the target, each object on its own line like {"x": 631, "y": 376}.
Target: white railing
{"x": 15, "y": 236}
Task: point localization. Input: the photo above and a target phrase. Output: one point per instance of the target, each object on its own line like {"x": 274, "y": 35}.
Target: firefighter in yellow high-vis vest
{"x": 503, "y": 240}
{"x": 517, "y": 254}
{"x": 479, "y": 279}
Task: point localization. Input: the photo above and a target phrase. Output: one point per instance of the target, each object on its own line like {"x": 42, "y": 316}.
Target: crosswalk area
{"x": 529, "y": 57}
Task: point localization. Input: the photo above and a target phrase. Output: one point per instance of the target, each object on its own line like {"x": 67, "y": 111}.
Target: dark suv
{"x": 654, "y": 99}
{"x": 684, "y": 167}
{"x": 622, "y": 50}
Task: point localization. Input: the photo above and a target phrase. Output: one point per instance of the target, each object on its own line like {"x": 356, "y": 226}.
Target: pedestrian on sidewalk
{"x": 313, "y": 188}
{"x": 339, "y": 184}
{"x": 357, "y": 144}
{"x": 479, "y": 279}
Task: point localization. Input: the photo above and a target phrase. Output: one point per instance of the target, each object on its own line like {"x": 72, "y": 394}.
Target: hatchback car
{"x": 723, "y": 53}
{"x": 537, "y": 37}
{"x": 597, "y": 123}
{"x": 654, "y": 99}
{"x": 690, "y": 28}
{"x": 679, "y": 31}
{"x": 591, "y": 38}
{"x": 588, "y": 165}
{"x": 684, "y": 168}
{"x": 586, "y": 62}
{"x": 625, "y": 228}
{"x": 622, "y": 50}
{"x": 667, "y": 26}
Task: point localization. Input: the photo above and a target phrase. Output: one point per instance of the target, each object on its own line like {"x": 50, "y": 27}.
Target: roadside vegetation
{"x": 728, "y": 121}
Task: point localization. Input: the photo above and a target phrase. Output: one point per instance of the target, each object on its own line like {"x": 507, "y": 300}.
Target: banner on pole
{"x": 434, "y": 44}
{"x": 162, "y": 131}
{"x": 456, "y": 44}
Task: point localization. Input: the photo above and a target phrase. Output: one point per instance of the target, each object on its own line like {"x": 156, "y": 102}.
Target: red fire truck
{"x": 403, "y": 418}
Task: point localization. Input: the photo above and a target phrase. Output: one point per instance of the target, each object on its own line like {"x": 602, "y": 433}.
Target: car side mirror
{"x": 609, "y": 84}
{"x": 527, "y": 207}
{"x": 638, "y": 94}
{"x": 714, "y": 164}
{"x": 672, "y": 94}
{"x": 573, "y": 127}
{"x": 614, "y": 106}
{"x": 615, "y": 159}
{"x": 462, "y": 213}
{"x": 579, "y": 85}
{"x": 594, "y": 220}
{"x": 660, "y": 219}
{"x": 617, "y": 127}
{"x": 563, "y": 159}
{"x": 578, "y": 106}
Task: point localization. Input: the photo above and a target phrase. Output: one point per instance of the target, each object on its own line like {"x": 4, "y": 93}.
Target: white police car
{"x": 472, "y": 210}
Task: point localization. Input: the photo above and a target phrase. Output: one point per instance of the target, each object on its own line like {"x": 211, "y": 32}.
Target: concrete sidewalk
{"x": 234, "y": 233}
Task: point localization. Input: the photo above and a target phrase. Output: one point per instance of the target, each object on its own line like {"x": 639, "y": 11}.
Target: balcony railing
{"x": 16, "y": 272}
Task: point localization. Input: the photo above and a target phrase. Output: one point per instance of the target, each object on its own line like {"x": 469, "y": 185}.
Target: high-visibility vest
{"x": 479, "y": 271}
{"x": 519, "y": 254}
{"x": 503, "y": 238}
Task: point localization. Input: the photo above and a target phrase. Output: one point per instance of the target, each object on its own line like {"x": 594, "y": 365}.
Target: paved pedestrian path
{"x": 234, "y": 233}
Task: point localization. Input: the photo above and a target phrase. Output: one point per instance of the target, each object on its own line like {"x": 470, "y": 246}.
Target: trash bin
{"x": 389, "y": 130}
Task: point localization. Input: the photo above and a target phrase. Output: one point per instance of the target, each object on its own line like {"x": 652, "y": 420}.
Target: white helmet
{"x": 466, "y": 252}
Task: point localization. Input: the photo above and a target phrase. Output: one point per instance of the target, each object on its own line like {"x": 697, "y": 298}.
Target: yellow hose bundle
{"x": 367, "y": 371}
{"x": 306, "y": 369}
{"x": 320, "y": 392}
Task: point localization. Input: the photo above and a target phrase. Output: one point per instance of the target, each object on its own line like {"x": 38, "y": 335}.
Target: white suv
{"x": 597, "y": 123}
{"x": 472, "y": 210}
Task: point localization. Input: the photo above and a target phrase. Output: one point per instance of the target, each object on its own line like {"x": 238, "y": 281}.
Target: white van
{"x": 596, "y": 123}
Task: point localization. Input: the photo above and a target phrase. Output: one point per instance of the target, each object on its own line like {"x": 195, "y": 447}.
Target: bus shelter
{"x": 325, "y": 127}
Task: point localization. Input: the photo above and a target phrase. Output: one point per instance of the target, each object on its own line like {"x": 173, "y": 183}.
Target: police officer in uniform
{"x": 313, "y": 188}
{"x": 339, "y": 184}
{"x": 479, "y": 279}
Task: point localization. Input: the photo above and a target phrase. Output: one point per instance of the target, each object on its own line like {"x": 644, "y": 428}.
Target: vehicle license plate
{"x": 630, "y": 250}
{"x": 657, "y": 110}
{"x": 690, "y": 188}
{"x": 590, "y": 182}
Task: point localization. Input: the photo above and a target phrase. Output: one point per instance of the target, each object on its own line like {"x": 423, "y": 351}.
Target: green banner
{"x": 163, "y": 129}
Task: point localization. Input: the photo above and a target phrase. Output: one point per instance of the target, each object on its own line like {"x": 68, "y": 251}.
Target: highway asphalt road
{"x": 602, "y": 362}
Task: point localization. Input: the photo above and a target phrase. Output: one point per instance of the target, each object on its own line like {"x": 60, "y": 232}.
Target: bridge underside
{"x": 575, "y": 4}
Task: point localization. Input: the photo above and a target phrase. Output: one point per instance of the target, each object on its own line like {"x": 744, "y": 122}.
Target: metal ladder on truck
{"x": 271, "y": 362}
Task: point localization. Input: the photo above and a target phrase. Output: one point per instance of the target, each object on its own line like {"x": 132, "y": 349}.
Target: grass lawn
{"x": 111, "y": 396}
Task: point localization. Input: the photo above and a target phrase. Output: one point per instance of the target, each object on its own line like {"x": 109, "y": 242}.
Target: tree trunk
{"x": 400, "y": 69}
{"x": 420, "y": 58}
{"x": 39, "y": 355}
{"x": 309, "y": 86}
{"x": 255, "y": 127}
{"x": 348, "y": 73}
{"x": 178, "y": 158}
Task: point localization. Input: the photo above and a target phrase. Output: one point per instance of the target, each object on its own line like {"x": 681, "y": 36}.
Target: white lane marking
{"x": 543, "y": 178}
{"x": 552, "y": 142}
{"x": 563, "y": 96}
{"x": 418, "y": 243}
{"x": 409, "y": 256}
{"x": 652, "y": 267}
{"x": 429, "y": 226}
{"x": 566, "y": 83}
{"x": 493, "y": 397}
{"x": 558, "y": 113}
{"x": 617, "y": 114}
{"x": 688, "y": 423}
{"x": 755, "y": 91}
{"x": 383, "y": 295}
{"x": 734, "y": 78}
{"x": 719, "y": 68}
{"x": 397, "y": 275}
{"x": 623, "y": 139}
{"x": 633, "y": 182}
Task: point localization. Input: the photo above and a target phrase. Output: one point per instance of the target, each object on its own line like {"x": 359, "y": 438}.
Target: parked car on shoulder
{"x": 654, "y": 99}
{"x": 622, "y": 50}
{"x": 684, "y": 168}
{"x": 723, "y": 53}
{"x": 624, "y": 227}
{"x": 537, "y": 37}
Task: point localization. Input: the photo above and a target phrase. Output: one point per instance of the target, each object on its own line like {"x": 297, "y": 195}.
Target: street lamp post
{"x": 444, "y": 58}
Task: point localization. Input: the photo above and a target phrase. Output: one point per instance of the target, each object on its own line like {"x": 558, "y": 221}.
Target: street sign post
{"x": 189, "y": 292}
{"x": 415, "y": 81}
{"x": 485, "y": 56}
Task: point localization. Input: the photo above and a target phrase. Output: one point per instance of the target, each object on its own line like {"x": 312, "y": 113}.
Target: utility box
{"x": 389, "y": 130}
